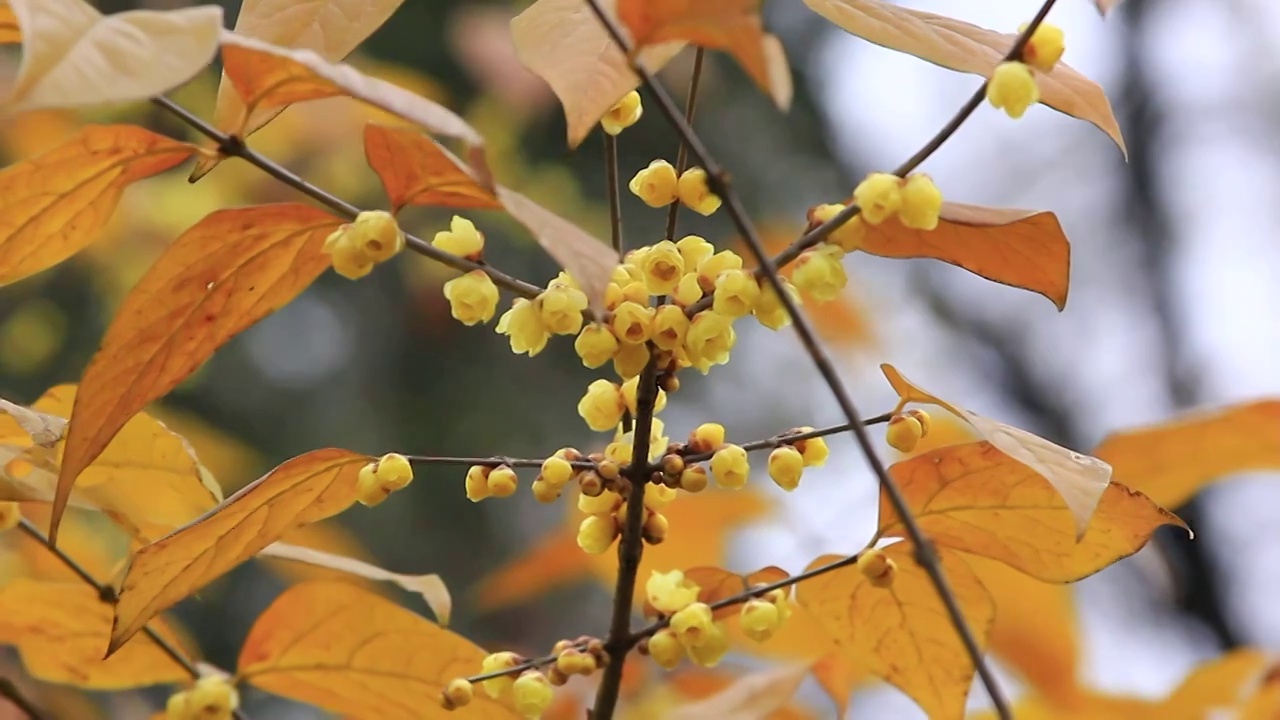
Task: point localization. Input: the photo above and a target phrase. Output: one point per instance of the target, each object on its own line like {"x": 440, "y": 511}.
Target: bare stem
{"x": 491, "y": 461}
{"x": 615, "y": 196}
{"x": 789, "y": 438}
{"x": 108, "y": 595}
{"x": 11, "y": 692}
{"x": 233, "y": 146}
{"x": 682, "y": 155}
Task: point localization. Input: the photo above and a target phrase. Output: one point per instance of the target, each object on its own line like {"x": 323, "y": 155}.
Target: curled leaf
{"x": 43, "y": 428}
{"x": 306, "y": 489}
{"x": 415, "y": 170}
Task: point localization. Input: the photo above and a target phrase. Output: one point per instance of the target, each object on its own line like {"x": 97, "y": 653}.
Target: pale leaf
{"x": 43, "y": 428}
{"x": 751, "y": 697}
{"x": 430, "y": 587}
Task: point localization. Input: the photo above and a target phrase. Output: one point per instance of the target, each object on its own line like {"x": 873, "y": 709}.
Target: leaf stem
{"x": 108, "y": 595}
{"x": 11, "y": 692}
{"x": 682, "y": 155}
{"x": 233, "y": 146}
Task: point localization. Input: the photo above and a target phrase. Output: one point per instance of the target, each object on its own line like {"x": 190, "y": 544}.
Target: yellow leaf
{"x": 1222, "y": 685}
{"x": 1172, "y": 460}
{"x": 354, "y": 653}
{"x": 551, "y": 562}
{"x": 751, "y": 697}
{"x": 90, "y": 538}
{"x": 1089, "y": 706}
{"x": 74, "y": 57}
{"x": 61, "y": 629}
{"x": 563, "y": 42}
{"x": 430, "y": 587}
{"x": 267, "y": 77}
{"x": 227, "y": 272}
{"x": 1020, "y": 248}
{"x": 228, "y": 458}
{"x": 903, "y": 633}
{"x": 976, "y": 499}
{"x": 414, "y": 170}
{"x": 730, "y": 25}
{"x": 9, "y": 32}
{"x": 1034, "y": 632}
{"x": 960, "y": 46}
{"x": 54, "y": 205}
{"x": 305, "y": 489}
{"x": 1079, "y": 479}
{"x": 702, "y": 684}
{"x": 331, "y": 28}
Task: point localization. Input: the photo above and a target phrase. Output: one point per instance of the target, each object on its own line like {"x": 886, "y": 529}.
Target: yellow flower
{"x": 712, "y": 650}
{"x": 710, "y": 269}
{"x": 498, "y": 686}
{"x": 848, "y": 236}
{"x": 602, "y": 405}
{"x": 461, "y": 239}
{"x": 814, "y": 450}
{"x": 348, "y": 258}
{"x": 879, "y": 195}
{"x": 688, "y": 291}
{"x": 694, "y": 249}
{"x": 693, "y": 624}
{"x": 709, "y": 340}
{"x": 921, "y": 203}
{"x": 477, "y": 483}
{"x": 176, "y": 707}
{"x": 694, "y": 192}
{"x": 369, "y": 491}
{"x": 394, "y": 471}
{"x": 630, "y": 360}
{"x": 1044, "y": 48}
{"x": 769, "y": 310}
{"x": 693, "y": 479}
{"x": 532, "y": 693}
{"x": 623, "y": 114}
{"x": 1012, "y": 89}
{"x": 657, "y": 497}
{"x": 561, "y": 309}
{"x": 603, "y": 504}
{"x": 729, "y": 467}
{"x": 380, "y": 237}
{"x": 458, "y": 693}
{"x": 629, "y": 396}
{"x": 556, "y": 471}
{"x": 665, "y": 649}
{"x": 654, "y": 529}
{"x": 662, "y": 266}
{"x": 524, "y": 327}
{"x": 876, "y": 567}
{"x": 819, "y": 274}
{"x": 596, "y": 345}
{"x": 707, "y": 437}
{"x": 632, "y": 322}
{"x": 759, "y": 619}
{"x": 736, "y": 293}
{"x": 785, "y": 467}
{"x": 670, "y": 592}
{"x": 670, "y": 326}
{"x": 473, "y": 298}
{"x": 502, "y": 481}
{"x": 903, "y": 432}
{"x": 656, "y": 185}
{"x": 212, "y": 698}
{"x": 921, "y": 417}
{"x": 597, "y": 533}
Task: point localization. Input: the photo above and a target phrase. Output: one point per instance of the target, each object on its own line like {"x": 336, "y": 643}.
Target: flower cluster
{"x": 1012, "y": 86}
{"x": 211, "y": 698}
{"x": 659, "y": 185}
{"x": 693, "y": 630}
{"x": 356, "y": 247}
{"x": 382, "y": 477}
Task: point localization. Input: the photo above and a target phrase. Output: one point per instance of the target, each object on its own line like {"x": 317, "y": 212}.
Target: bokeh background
{"x": 1172, "y": 306}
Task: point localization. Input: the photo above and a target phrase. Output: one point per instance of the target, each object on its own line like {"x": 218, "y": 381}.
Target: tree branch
{"x": 615, "y": 195}
{"x": 789, "y": 438}
{"x": 492, "y": 461}
{"x": 682, "y": 155}
{"x": 11, "y": 692}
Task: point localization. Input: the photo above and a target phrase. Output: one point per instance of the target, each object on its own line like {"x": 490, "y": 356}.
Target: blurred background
{"x": 1172, "y": 301}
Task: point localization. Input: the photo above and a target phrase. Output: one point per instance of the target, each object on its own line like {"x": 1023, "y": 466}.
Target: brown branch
{"x": 615, "y": 195}
{"x": 108, "y": 594}
{"x": 789, "y": 438}
{"x": 925, "y": 554}
{"x": 233, "y": 146}
{"x": 492, "y": 461}
{"x": 682, "y": 155}
{"x": 11, "y": 692}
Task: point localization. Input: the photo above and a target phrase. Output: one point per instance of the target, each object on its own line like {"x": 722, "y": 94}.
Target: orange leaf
{"x": 306, "y": 489}
{"x": 716, "y": 584}
{"x": 551, "y": 562}
{"x": 751, "y": 697}
{"x": 903, "y": 633}
{"x": 54, "y": 205}
{"x": 563, "y": 42}
{"x": 351, "y": 652}
{"x": 416, "y": 171}
{"x": 268, "y": 77}
{"x": 1079, "y": 479}
{"x": 733, "y": 26}
{"x": 1021, "y": 248}
{"x": 976, "y": 499}
{"x": 958, "y": 45}
{"x": 1172, "y": 460}
{"x": 9, "y": 32}
{"x": 1220, "y": 686}
{"x": 227, "y": 272}
{"x": 60, "y": 630}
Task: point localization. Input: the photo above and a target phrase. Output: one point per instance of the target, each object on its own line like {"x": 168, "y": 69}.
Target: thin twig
{"x": 612, "y": 190}
{"x": 11, "y": 692}
{"x": 108, "y": 594}
{"x": 789, "y": 438}
{"x": 492, "y": 461}
{"x": 682, "y": 155}
{"x": 925, "y": 554}
{"x": 233, "y": 146}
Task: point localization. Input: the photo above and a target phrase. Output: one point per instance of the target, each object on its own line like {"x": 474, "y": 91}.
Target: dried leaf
{"x": 305, "y": 489}
{"x": 52, "y": 206}
{"x": 958, "y": 45}
{"x": 9, "y": 31}
{"x": 903, "y": 633}
{"x": 43, "y": 428}
{"x": 268, "y": 77}
{"x": 733, "y": 26}
{"x": 331, "y": 28}
{"x": 1173, "y": 460}
{"x": 415, "y": 170}
{"x": 60, "y": 629}
{"x": 74, "y": 57}
{"x": 702, "y": 684}
{"x": 1020, "y": 248}
{"x": 224, "y": 274}
{"x": 977, "y": 499}
{"x": 563, "y": 42}
{"x": 716, "y": 584}
{"x": 148, "y": 478}
{"x": 1105, "y": 6}
{"x": 589, "y": 260}
{"x": 751, "y": 697}
{"x": 1079, "y": 479}
{"x": 430, "y": 587}
{"x": 354, "y": 653}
